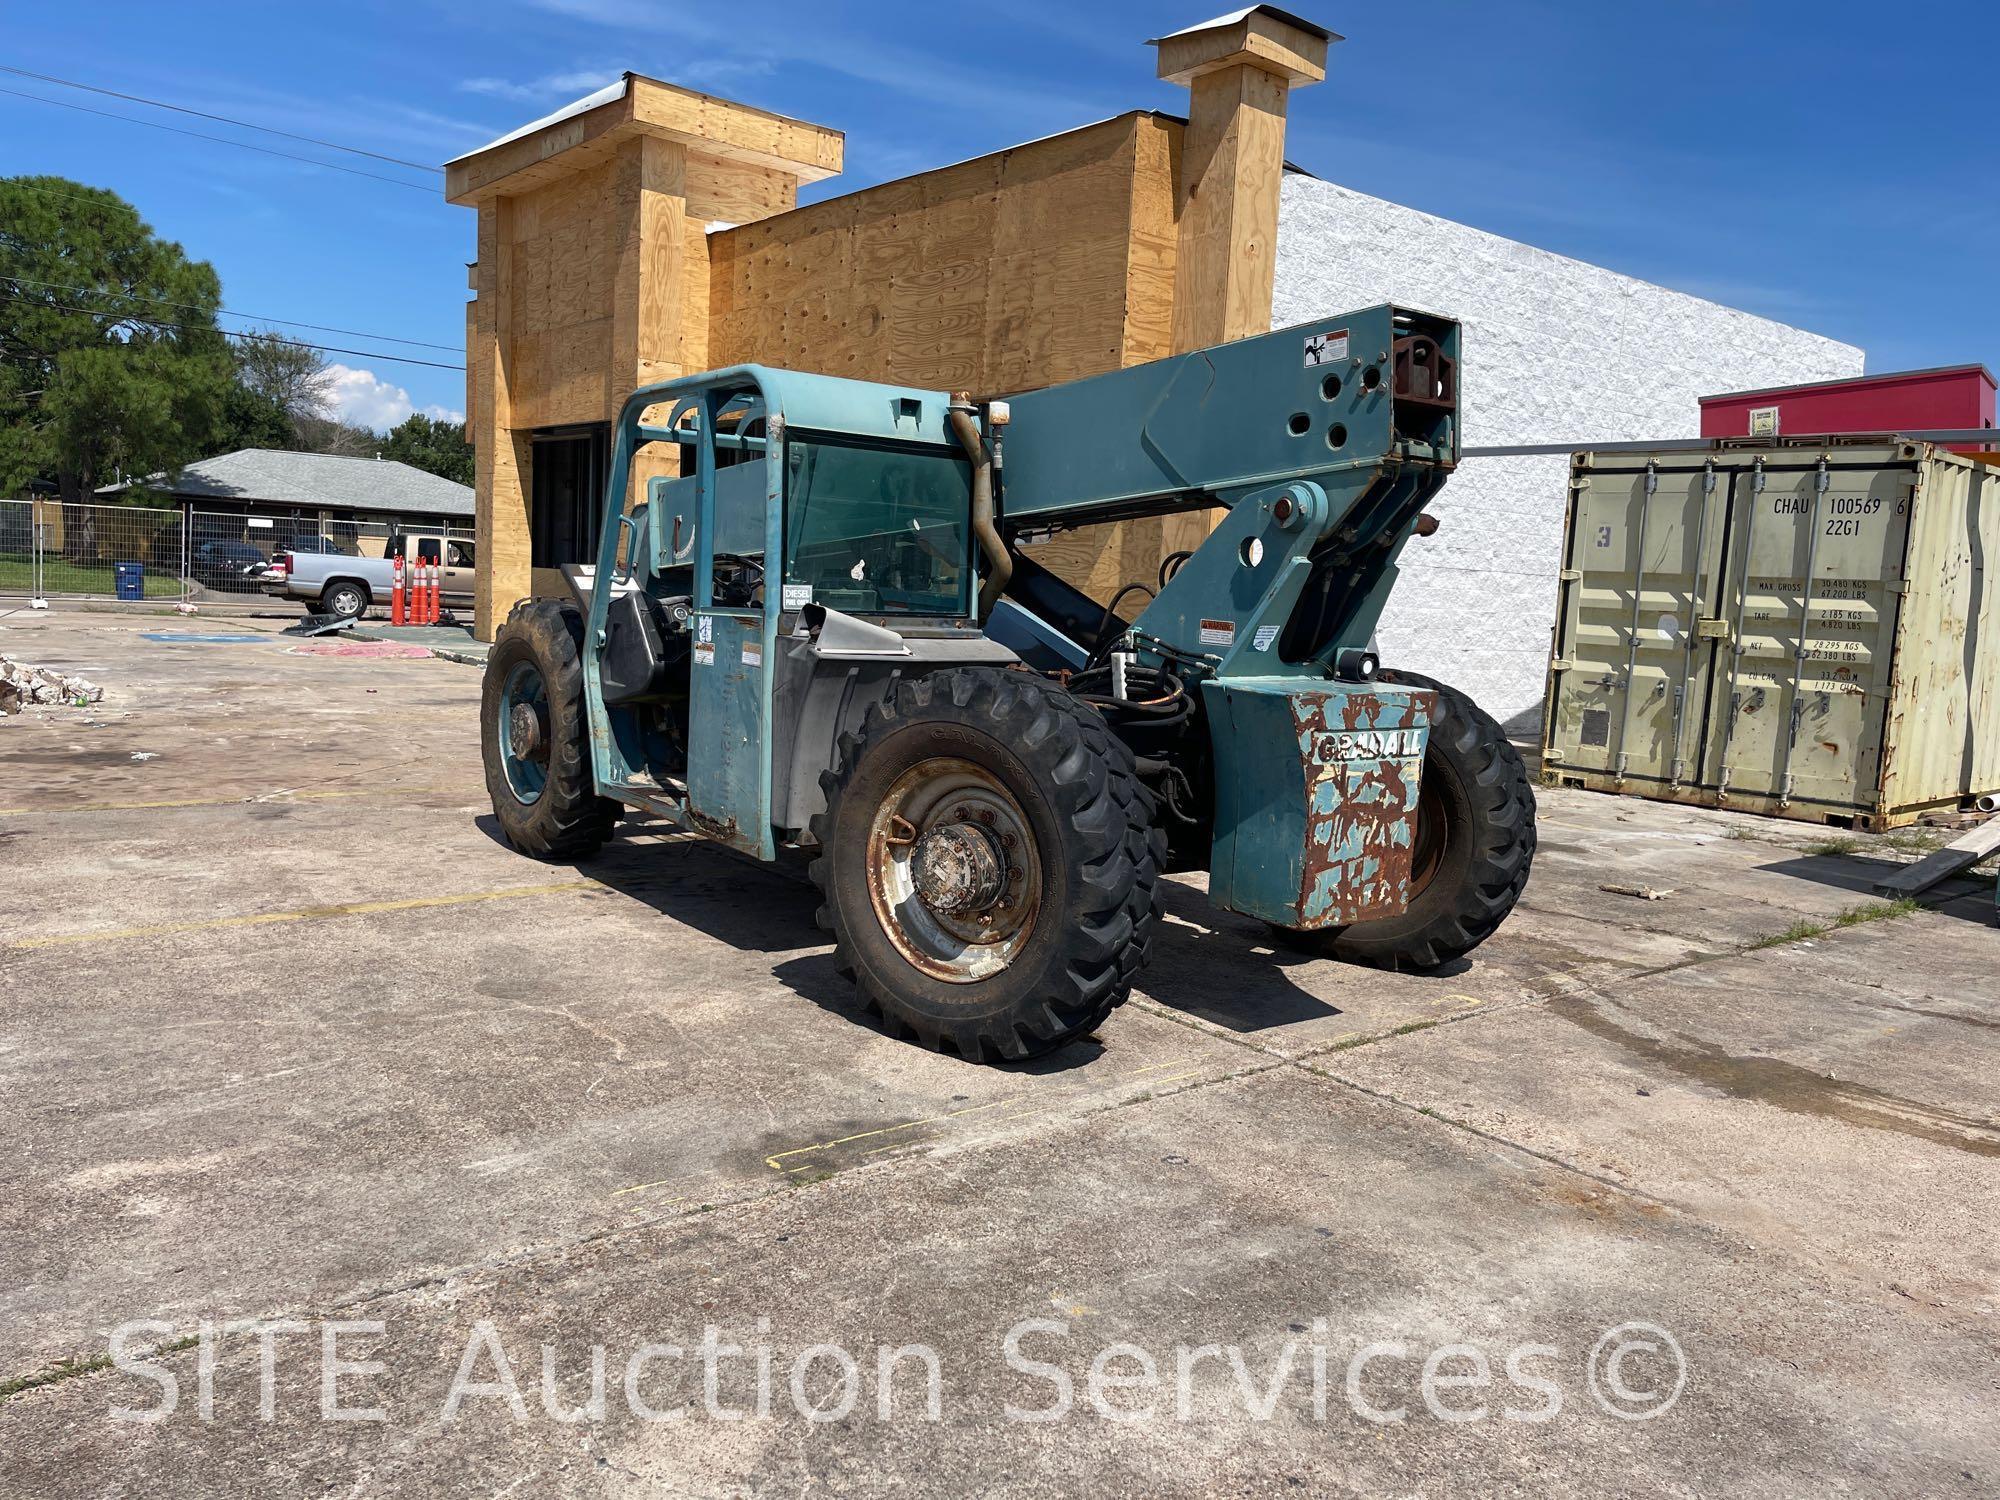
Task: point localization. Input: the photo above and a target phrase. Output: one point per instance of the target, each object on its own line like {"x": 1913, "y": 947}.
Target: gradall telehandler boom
{"x": 824, "y": 635}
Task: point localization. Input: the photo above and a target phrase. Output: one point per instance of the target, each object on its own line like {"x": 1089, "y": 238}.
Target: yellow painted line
{"x": 864, "y": 1135}
{"x": 303, "y": 914}
{"x": 1153, "y": 1067}
{"x": 266, "y": 798}
{"x": 1177, "y": 1077}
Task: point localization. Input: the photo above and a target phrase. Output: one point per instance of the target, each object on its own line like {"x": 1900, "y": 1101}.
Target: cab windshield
{"x": 877, "y": 528}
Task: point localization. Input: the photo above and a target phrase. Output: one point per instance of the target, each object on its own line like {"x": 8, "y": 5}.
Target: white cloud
{"x": 367, "y": 400}
{"x": 573, "y": 84}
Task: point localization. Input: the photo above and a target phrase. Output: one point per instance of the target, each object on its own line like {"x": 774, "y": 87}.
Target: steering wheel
{"x": 737, "y": 580}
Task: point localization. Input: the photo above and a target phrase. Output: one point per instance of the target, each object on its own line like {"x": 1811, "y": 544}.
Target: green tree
{"x": 289, "y": 374}
{"x": 250, "y": 420}
{"x": 431, "y": 445}
{"x": 108, "y": 344}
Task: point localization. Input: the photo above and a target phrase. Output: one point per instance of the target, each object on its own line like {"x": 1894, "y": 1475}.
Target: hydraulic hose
{"x": 999, "y": 561}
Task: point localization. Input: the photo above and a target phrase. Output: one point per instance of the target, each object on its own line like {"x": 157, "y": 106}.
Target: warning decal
{"x": 1218, "y": 632}
{"x": 1328, "y": 348}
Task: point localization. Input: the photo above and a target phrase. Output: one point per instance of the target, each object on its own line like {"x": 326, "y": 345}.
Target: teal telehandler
{"x": 829, "y": 634}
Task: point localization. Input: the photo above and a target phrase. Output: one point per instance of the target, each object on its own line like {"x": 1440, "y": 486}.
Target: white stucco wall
{"x": 1555, "y": 351}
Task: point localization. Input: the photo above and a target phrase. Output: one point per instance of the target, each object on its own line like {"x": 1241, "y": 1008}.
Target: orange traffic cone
{"x": 396, "y": 591}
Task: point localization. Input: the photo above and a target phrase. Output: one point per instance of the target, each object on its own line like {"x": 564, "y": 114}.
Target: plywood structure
{"x": 654, "y": 233}
{"x": 1011, "y": 270}
{"x": 592, "y": 277}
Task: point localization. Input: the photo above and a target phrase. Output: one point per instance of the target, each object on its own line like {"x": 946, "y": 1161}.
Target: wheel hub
{"x": 954, "y": 873}
{"x": 521, "y": 731}
{"x": 524, "y": 730}
{"x": 958, "y": 869}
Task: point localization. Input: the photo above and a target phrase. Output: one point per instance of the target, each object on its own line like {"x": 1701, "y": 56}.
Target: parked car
{"x": 329, "y": 583}
{"x": 226, "y": 565}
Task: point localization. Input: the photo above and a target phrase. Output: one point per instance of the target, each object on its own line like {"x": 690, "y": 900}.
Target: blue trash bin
{"x": 131, "y": 580}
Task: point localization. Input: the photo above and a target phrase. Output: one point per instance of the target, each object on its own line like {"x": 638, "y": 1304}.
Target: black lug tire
{"x": 338, "y": 592}
{"x": 1490, "y": 844}
{"x": 1100, "y": 851}
{"x": 569, "y": 820}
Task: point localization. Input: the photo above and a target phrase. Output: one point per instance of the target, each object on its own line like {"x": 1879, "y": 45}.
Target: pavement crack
{"x": 1491, "y": 1137}
{"x": 556, "y": 1250}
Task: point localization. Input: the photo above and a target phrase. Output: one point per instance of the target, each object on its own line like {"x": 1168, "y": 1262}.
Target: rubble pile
{"x": 21, "y": 685}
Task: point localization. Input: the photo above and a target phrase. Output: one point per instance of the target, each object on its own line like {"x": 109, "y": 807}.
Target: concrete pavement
{"x": 289, "y": 1034}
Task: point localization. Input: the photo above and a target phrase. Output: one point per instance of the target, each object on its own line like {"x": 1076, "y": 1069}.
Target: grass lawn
{"x": 17, "y": 576}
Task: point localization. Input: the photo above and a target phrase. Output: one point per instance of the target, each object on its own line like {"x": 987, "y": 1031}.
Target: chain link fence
{"x": 91, "y": 551}
{"x": 50, "y": 549}
{"x": 20, "y": 556}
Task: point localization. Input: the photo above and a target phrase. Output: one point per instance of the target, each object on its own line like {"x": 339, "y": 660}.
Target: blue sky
{"x": 1829, "y": 165}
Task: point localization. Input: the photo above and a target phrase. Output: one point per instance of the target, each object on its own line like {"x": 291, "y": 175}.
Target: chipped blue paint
{"x": 1316, "y": 797}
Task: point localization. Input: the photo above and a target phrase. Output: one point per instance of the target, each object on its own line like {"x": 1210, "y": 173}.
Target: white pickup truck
{"x": 333, "y": 583}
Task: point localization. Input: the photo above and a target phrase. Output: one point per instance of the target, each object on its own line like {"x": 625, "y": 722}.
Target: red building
{"x": 1952, "y": 396}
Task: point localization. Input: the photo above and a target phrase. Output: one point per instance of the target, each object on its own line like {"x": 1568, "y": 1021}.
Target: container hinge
{"x": 1711, "y": 630}
{"x": 1561, "y": 664}
{"x": 1680, "y": 769}
{"x": 1896, "y": 586}
{"x": 1552, "y": 754}
{"x": 1569, "y": 575}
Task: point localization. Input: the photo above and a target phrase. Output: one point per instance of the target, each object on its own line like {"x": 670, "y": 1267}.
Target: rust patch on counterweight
{"x": 1363, "y": 771}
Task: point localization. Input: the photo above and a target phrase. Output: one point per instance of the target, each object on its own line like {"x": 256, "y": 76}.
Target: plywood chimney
{"x": 592, "y": 277}
{"x": 1239, "y": 70}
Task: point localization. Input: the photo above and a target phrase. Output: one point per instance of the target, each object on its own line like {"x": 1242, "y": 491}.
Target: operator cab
{"x": 791, "y": 496}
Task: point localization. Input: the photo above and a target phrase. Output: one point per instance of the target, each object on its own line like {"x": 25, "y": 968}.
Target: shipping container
{"x": 1901, "y": 401}
{"x": 1809, "y": 629}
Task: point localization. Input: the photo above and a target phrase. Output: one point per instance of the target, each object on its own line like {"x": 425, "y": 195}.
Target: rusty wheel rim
{"x": 951, "y": 807}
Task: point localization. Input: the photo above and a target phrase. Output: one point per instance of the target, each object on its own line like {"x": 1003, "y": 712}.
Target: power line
{"x": 356, "y": 333}
{"x": 228, "y": 333}
{"x": 70, "y": 83}
{"x": 224, "y": 140}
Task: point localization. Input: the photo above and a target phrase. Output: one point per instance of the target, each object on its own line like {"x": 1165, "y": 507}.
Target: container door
{"x": 1814, "y": 584}
{"x": 1631, "y": 649}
